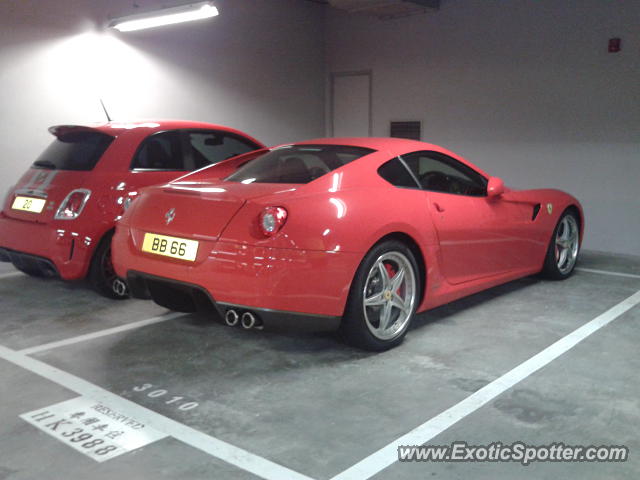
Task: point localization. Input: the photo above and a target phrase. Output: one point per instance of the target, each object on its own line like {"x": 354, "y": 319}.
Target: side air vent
{"x": 536, "y": 210}
{"x": 408, "y": 129}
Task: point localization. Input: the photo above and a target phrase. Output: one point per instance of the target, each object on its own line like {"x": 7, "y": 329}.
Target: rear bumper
{"x": 69, "y": 252}
{"x": 282, "y": 282}
{"x": 185, "y": 297}
{"x": 26, "y": 261}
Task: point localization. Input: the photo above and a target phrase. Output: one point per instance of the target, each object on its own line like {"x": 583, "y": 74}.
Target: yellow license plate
{"x": 29, "y": 204}
{"x": 173, "y": 247}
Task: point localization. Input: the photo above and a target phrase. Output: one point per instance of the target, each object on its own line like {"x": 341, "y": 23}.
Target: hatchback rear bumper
{"x": 62, "y": 250}
{"x": 24, "y": 261}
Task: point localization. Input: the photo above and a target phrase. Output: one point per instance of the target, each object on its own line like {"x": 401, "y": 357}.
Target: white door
{"x": 351, "y": 104}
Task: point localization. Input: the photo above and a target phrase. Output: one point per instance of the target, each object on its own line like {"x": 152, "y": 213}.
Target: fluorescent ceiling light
{"x": 166, "y": 16}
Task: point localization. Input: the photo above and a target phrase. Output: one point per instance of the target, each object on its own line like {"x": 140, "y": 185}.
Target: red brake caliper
{"x": 392, "y": 273}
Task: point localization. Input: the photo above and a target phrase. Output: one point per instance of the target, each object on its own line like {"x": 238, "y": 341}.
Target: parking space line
{"x": 388, "y": 455}
{"x": 220, "y": 449}
{"x": 101, "y": 333}
{"x": 607, "y": 272}
{"x": 10, "y": 274}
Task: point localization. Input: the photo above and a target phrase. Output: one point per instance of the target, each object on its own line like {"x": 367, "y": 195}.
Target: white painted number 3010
{"x": 177, "y": 401}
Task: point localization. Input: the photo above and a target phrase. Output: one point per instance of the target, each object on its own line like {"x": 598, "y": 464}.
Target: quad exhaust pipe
{"x": 246, "y": 319}
{"x": 231, "y": 318}
{"x": 119, "y": 287}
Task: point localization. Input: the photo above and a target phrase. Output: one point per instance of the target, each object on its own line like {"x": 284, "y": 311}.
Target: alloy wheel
{"x": 566, "y": 244}
{"x": 389, "y": 295}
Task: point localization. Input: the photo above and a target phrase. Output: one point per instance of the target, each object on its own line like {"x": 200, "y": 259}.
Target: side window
{"x": 440, "y": 173}
{"x": 209, "y": 147}
{"x": 397, "y": 174}
{"x": 160, "y": 151}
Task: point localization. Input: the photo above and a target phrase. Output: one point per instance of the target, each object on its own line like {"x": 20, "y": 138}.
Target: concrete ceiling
{"x": 386, "y": 8}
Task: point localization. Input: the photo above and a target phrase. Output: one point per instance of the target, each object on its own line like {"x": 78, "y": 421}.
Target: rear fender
{"x": 345, "y": 221}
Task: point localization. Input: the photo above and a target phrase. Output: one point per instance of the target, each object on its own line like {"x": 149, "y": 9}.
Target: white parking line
{"x": 10, "y": 274}
{"x": 236, "y": 456}
{"x": 607, "y": 272}
{"x": 388, "y": 455}
{"x": 101, "y": 333}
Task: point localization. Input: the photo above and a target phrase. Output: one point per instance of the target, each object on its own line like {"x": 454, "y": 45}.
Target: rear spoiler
{"x": 59, "y": 130}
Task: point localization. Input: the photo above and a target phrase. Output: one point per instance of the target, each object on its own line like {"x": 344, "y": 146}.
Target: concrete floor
{"x": 316, "y": 406}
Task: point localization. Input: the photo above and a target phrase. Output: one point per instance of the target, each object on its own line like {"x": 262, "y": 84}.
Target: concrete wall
{"x": 524, "y": 88}
{"x": 257, "y": 67}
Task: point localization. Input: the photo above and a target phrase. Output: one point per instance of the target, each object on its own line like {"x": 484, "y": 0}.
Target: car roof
{"x": 393, "y": 146}
{"x": 114, "y": 128}
{"x": 375, "y": 143}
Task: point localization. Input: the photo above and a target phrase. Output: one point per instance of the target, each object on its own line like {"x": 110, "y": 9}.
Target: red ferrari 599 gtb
{"x": 357, "y": 234}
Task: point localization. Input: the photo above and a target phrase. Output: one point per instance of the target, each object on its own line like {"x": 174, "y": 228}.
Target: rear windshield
{"x": 74, "y": 151}
{"x": 296, "y": 163}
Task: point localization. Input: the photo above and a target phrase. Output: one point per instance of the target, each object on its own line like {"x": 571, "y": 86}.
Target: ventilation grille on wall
{"x": 411, "y": 130}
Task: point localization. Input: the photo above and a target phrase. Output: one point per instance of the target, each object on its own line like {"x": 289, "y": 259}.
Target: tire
{"x": 564, "y": 246}
{"x": 381, "y": 324}
{"x": 102, "y": 276}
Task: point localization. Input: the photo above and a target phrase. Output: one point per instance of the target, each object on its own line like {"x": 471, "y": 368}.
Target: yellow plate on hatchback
{"x": 28, "y": 204}
{"x": 173, "y": 247}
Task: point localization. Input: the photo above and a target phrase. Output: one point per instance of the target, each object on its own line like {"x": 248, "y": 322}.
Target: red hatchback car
{"x": 59, "y": 218}
{"x": 359, "y": 233}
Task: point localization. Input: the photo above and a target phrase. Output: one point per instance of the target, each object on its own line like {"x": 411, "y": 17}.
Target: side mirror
{"x": 495, "y": 187}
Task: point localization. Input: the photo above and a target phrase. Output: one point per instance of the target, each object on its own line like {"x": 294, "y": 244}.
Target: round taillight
{"x": 271, "y": 220}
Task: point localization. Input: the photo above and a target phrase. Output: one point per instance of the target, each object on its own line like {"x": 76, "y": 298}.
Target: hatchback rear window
{"x": 74, "y": 151}
{"x": 297, "y": 163}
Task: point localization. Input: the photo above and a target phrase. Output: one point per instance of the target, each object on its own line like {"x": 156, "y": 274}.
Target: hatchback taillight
{"x": 5, "y": 200}
{"x": 271, "y": 220}
{"x": 71, "y": 207}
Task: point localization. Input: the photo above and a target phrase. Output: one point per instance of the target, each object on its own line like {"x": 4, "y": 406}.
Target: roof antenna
{"x": 105, "y": 110}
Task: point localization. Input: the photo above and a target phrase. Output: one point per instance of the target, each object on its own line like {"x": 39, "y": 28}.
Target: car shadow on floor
{"x": 446, "y": 312}
{"x": 189, "y": 343}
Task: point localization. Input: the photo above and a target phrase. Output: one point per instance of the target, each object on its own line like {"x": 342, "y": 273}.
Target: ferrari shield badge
{"x": 550, "y": 208}
{"x": 170, "y": 215}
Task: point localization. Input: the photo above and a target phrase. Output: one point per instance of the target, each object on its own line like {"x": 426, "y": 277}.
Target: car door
{"x": 476, "y": 234}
